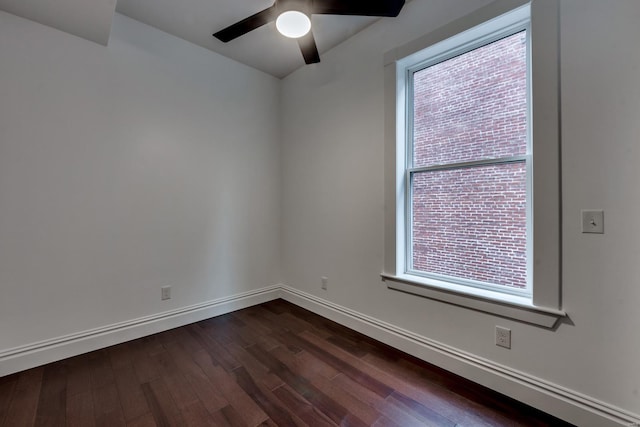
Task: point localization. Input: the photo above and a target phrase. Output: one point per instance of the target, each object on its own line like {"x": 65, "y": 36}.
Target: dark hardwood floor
{"x": 274, "y": 364}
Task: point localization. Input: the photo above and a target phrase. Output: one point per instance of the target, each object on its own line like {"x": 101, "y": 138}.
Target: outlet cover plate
{"x": 503, "y": 337}
{"x": 166, "y": 292}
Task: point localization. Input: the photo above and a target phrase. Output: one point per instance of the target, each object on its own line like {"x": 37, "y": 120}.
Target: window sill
{"x": 508, "y": 306}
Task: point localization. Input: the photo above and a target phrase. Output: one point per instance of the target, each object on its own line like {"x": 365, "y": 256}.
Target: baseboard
{"x": 36, "y": 354}
{"x": 574, "y": 407}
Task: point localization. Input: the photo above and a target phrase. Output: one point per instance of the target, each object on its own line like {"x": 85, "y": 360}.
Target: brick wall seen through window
{"x": 470, "y": 222}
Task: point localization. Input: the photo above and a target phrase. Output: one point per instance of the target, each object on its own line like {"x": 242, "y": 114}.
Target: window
{"x": 468, "y": 200}
{"x": 469, "y": 162}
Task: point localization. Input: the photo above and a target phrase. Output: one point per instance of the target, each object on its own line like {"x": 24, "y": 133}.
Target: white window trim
{"x": 544, "y": 306}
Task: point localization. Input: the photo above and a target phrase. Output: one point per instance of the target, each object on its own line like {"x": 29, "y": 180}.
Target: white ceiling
{"x": 89, "y": 19}
{"x": 195, "y": 21}
{"x": 263, "y": 48}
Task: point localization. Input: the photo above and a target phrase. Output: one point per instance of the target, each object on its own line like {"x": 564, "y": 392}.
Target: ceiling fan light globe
{"x": 293, "y": 24}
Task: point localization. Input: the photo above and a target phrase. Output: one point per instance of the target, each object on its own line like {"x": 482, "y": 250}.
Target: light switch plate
{"x": 592, "y": 221}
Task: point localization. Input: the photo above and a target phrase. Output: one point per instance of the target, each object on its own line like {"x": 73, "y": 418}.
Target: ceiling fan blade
{"x": 388, "y": 8}
{"x": 248, "y": 24}
{"x": 308, "y": 48}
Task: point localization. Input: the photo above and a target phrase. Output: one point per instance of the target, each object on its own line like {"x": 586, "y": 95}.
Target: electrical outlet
{"x": 166, "y": 292}
{"x": 324, "y": 280}
{"x": 503, "y": 337}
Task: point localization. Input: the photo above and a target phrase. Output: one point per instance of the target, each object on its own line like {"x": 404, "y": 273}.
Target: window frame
{"x": 506, "y": 25}
{"x": 496, "y": 20}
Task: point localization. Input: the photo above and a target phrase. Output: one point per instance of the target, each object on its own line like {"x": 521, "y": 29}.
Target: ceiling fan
{"x": 293, "y": 19}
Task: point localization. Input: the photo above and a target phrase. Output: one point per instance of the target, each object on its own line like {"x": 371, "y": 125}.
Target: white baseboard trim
{"x": 574, "y": 407}
{"x": 577, "y": 408}
{"x": 36, "y": 354}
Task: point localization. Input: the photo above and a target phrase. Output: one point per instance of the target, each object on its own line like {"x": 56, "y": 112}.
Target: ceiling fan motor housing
{"x": 303, "y": 6}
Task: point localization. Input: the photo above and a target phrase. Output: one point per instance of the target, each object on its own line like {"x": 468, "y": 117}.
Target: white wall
{"x": 152, "y": 162}
{"x": 334, "y": 199}
{"x": 149, "y": 162}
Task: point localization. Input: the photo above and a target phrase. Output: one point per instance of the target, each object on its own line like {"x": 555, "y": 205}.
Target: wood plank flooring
{"x": 274, "y": 364}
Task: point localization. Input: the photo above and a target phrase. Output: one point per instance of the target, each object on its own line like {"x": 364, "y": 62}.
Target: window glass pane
{"x": 470, "y": 223}
{"x": 473, "y": 106}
